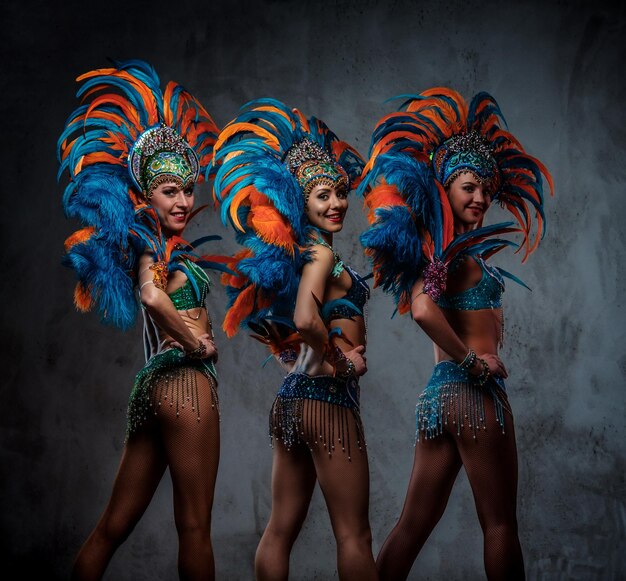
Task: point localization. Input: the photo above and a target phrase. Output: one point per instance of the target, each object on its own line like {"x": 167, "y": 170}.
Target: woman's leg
{"x": 141, "y": 468}
{"x": 490, "y": 461}
{"x": 435, "y": 468}
{"x": 191, "y": 438}
{"x": 340, "y": 459}
{"x": 293, "y": 480}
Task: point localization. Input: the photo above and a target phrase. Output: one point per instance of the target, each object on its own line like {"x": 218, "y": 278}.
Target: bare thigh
{"x": 340, "y": 457}
{"x": 191, "y": 440}
{"x": 141, "y": 469}
{"x": 293, "y": 481}
{"x": 490, "y": 461}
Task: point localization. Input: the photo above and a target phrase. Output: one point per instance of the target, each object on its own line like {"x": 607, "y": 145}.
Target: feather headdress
{"x": 124, "y": 137}
{"x": 418, "y": 151}
{"x": 269, "y": 159}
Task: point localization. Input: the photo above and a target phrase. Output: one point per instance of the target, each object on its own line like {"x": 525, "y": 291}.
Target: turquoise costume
{"x": 487, "y": 294}
{"x": 451, "y": 390}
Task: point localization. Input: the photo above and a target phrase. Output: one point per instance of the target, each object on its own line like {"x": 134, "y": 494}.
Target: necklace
{"x": 338, "y": 266}
{"x": 197, "y": 317}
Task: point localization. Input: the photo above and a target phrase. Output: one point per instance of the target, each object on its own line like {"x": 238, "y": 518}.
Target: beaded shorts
{"x": 452, "y": 396}
{"x": 168, "y": 377}
{"x": 324, "y": 420}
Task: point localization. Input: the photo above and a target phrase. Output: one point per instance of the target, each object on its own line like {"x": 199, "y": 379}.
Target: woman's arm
{"x": 431, "y": 319}
{"x": 163, "y": 311}
{"x": 310, "y": 295}
{"x": 307, "y": 317}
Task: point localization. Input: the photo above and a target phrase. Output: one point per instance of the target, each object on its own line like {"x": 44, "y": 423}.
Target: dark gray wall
{"x": 557, "y": 71}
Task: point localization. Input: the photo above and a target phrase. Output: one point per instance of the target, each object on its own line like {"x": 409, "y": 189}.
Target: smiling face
{"x": 469, "y": 200}
{"x": 173, "y": 205}
{"x": 326, "y": 207}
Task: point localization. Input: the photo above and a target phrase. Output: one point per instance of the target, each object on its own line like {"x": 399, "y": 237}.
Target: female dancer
{"x": 284, "y": 182}
{"x": 435, "y": 168}
{"x": 133, "y": 155}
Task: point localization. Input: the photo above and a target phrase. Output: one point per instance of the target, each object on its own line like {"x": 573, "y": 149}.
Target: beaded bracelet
{"x": 338, "y": 355}
{"x": 484, "y": 374}
{"x": 349, "y": 372}
{"x": 469, "y": 361}
{"x": 199, "y": 352}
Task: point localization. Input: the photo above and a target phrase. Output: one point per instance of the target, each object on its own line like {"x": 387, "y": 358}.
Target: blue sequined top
{"x": 186, "y": 297}
{"x": 487, "y": 294}
{"x": 358, "y": 294}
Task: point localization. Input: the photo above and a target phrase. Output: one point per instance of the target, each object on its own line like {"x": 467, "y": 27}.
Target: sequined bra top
{"x": 487, "y": 294}
{"x": 186, "y": 296}
{"x": 356, "y": 297}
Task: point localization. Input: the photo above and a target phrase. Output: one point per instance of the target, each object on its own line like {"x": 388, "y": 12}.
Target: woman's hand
{"x": 496, "y": 367}
{"x": 211, "y": 348}
{"x": 357, "y": 357}
{"x": 209, "y": 345}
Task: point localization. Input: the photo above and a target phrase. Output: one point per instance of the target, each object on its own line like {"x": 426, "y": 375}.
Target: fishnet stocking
{"x": 190, "y": 447}
{"x": 344, "y": 481}
{"x": 490, "y": 461}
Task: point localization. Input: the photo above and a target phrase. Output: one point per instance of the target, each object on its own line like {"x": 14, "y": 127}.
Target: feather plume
{"x": 411, "y": 221}
{"x": 117, "y": 105}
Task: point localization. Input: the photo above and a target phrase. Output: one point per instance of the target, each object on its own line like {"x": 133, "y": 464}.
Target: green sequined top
{"x": 186, "y": 296}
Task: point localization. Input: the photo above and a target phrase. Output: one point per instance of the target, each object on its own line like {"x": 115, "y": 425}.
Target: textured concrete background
{"x": 557, "y": 72}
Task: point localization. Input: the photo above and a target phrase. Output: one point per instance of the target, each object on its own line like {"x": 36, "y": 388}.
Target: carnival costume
{"x": 414, "y": 155}
{"x": 270, "y": 158}
{"x": 127, "y": 137}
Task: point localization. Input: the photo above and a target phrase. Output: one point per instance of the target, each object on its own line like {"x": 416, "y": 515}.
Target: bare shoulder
{"x": 322, "y": 254}
{"x": 321, "y": 262}
{"x": 146, "y": 260}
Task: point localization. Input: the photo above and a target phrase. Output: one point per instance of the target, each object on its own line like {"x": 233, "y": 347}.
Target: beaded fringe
{"x": 326, "y": 421}
{"x": 462, "y": 404}
{"x": 176, "y": 386}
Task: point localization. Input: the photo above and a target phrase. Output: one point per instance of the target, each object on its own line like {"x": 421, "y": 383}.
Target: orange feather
{"x": 99, "y": 157}
{"x": 275, "y": 110}
{"x": 230, "y": 186}
{"x": 78, "y": 237}
{"x": 241, "y": 308}
{"x": 130, "y": 112}
{"x": 237, "y": 280}
{"x": 235, "y": 128}
{"x": 383, "y": 195}
{"x": 303, "y": 120}
{"x": 95, "y": 73}
{"x": 404, "y": 304}
{"x": 82, "y": 298}
{"x": 240, "y": 198}
{"x": 271, "y": 226}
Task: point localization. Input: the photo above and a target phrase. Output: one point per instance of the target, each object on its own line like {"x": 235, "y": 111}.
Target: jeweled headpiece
{"x": 161, "y": 155}
{"x": 313, "y": 166}
{"x": 465, "y": 152}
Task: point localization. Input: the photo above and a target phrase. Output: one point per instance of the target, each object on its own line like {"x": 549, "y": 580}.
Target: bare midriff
{"x": 479, "y": 330}
{"x": 197, "y": 321}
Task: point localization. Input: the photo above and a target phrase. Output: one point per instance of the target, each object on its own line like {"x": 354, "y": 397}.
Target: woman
{"x": 134, "y": 154}
{"x": 435, "y": 169}
{"x": 283, "y": 181}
